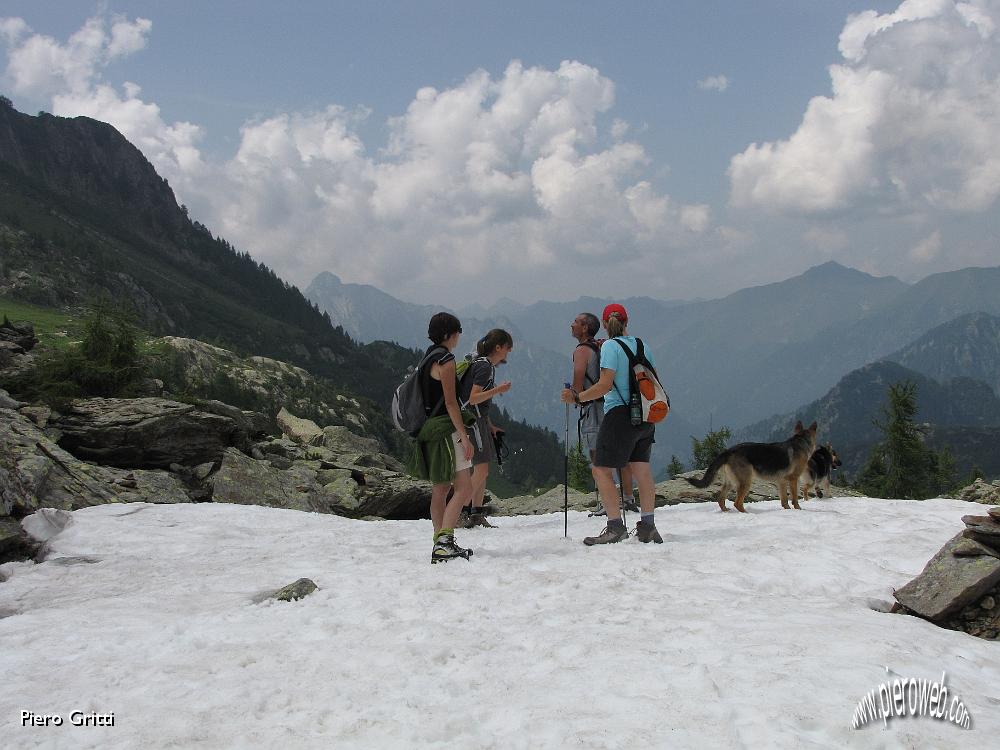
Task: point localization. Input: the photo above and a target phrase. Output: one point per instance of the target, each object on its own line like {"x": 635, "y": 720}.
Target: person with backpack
{"x": 626, "y": 435}
{"x": 443, "y": 450}
{"x": 586, "y": 372}
{"x": 477, "y": 392}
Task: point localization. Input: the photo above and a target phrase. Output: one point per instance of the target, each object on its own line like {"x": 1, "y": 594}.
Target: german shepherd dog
{"x": 819, "y": 470}
{"x": 781, "y": 463}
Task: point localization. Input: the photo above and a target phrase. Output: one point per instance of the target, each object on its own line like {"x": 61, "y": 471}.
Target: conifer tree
{"x": 675, "y": 467}
{"x": 706, "y": 450}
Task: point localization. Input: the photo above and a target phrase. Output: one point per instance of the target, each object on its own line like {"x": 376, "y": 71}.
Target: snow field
{"x": 742, "y": 630}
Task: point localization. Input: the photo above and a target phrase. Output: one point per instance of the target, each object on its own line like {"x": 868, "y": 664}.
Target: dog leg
{"x": 741, "y": 494}
{"x": 723, "y": 492}
{"x": 782, "y": 490}
{"x": 794, "y": 486}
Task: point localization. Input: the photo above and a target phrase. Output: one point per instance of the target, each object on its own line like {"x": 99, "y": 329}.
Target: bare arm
{"x": 479, "y": 394}
{"x": 581, "y": 356}
{"x": 601, "y": 387}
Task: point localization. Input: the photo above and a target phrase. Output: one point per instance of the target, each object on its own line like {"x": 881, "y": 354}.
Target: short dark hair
{"x": 441, "y": 326}
{"x": 593, "y": 324}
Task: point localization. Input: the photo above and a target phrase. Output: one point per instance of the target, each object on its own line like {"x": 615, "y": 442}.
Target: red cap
{"x": 616, "y": 309}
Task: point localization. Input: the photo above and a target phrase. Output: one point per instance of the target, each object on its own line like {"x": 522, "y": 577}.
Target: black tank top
{"x": 433, "y": 390}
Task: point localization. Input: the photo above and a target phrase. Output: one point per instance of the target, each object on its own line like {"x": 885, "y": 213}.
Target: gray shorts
{"x": 589, "y": 424}
{"x": 482, "y": 442}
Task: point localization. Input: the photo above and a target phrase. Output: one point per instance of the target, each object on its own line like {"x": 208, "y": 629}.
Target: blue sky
{"x": 566, "y": 148}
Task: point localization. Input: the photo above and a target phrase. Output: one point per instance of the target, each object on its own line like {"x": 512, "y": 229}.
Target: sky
{"x": 461, "y": 152}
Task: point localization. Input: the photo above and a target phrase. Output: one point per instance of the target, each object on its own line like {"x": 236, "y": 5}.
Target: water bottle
{"x": 635, "y": 408}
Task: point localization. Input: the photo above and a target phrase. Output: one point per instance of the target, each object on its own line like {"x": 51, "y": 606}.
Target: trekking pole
{"x": 621, "y": 493}
{"x": 566, "y": 476}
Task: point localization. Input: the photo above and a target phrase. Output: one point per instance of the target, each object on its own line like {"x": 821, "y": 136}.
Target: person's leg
{"x": 439, "y": 499}
{"x": 605, "y": 478}
{"x": 480, "y": 472}
{"x": 627, "y": 478}
{"x": 643, "y": 475}
{"x": 463, "y": 493}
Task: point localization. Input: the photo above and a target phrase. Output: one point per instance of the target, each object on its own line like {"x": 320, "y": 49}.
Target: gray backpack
{"x": 408, "y": 411}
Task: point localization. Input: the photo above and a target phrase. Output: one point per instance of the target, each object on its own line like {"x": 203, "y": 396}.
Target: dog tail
{"x": 710, "y": 472}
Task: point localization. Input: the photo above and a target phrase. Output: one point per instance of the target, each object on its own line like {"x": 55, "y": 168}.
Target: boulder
{"x": 6, "y": 402}
{"x": 36, "y": 473}
{"x": 949, "y": 582}
{"x": 21, "y": 334}
{"x": 982, "y": 492}
{"x": 549, "y": 502}
{"x": 302, "y": 431}
{"x": 143, "y": 432}
{"x": 297, "y": 590}
{"x": 341, "y": 440}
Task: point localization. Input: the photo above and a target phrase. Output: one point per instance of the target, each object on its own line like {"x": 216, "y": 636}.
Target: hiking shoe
{"x": 599, "y": 512}
{"x": 646, "y": 533}
{"x": 445, "y": 549}
{"x": 478, "y": 519}
{"x": 608, "y": 536}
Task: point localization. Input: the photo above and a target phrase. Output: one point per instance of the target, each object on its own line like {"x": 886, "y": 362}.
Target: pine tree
{"x": 675, "y": 467}
{"x": 708, "y": 448}
{"x": 902, "y": 465}
{"x": 580, "y": 477}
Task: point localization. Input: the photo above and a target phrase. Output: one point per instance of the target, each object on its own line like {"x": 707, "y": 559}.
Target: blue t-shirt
{"x": 613, "y": 358}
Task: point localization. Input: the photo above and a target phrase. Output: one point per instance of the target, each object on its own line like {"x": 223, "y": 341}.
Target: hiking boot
{"x": 478, "y": 519}
{"x": 445, "y": 549}
{"x": 646, "y": 533}
{"x": 599, "y": 512}
{"x": 608, "y": 536}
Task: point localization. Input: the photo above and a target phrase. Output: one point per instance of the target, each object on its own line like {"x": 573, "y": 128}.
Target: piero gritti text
{"x": 73, "y": 719}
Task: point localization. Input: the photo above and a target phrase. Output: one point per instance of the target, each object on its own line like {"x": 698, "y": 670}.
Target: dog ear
{"x": 798, "y": 427}
{"x": 813, "y": 427}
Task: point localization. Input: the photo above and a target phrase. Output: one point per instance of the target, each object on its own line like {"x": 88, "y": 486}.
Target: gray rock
{"x": 201, "y": 471}
{"x": 971, "y": 548}
{"x": 244, "y": 481}
{"x": 341, "y": 440}
{"x": 949, "y": 583}
{"x": 15, "y": 544}
{"x": 994, "y": 513}
{"x": 280, "y": 462}
{"x": 549, "y": 502}
{"x": 981, "y": 492}
{"x": 36, "y": 473}
{"x": 6, "y": 402}
{"x": 302, "y": 431}
{"x": 143, "y": 432}
{"x": 297, "y": 590}
{"x": 37, "y": 414}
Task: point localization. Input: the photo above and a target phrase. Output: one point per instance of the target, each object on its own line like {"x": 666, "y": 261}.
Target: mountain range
{"x": 740, "y": 359}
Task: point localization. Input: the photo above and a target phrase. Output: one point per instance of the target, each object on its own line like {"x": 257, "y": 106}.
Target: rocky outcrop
{"x": 960, "y": 586}
{"x": 145, "y": 432}
{"x": 670, "y": 492}
{"x": 981, "y": 491}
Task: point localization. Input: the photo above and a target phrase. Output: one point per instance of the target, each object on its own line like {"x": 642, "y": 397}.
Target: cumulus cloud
{"x": 500, "y": 177}
{"x": 70, "y": 74}
{"x": 909, "y": 125}
{"x": 714, "y": 83}
{"x": 927, "y": 249}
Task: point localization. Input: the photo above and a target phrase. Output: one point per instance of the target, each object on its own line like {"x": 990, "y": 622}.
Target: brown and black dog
{"x": 781, "y": 463}
{"x": 819, "y": 470}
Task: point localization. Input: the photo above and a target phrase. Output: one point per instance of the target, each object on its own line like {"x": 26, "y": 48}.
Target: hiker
{"x": 586, "y": 372}
{"x": 443, "y": 450}
{"x": 478, "y": 390}
{"x": 620, "y": 444}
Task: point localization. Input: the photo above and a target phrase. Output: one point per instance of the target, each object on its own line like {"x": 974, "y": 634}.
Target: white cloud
{"x": 498, "y": 178}
{"x": 909, "y": 125}
{"x": 714, "y": 83}
{"x": 826, "y": 238}
{"x": 927, "y": 249}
